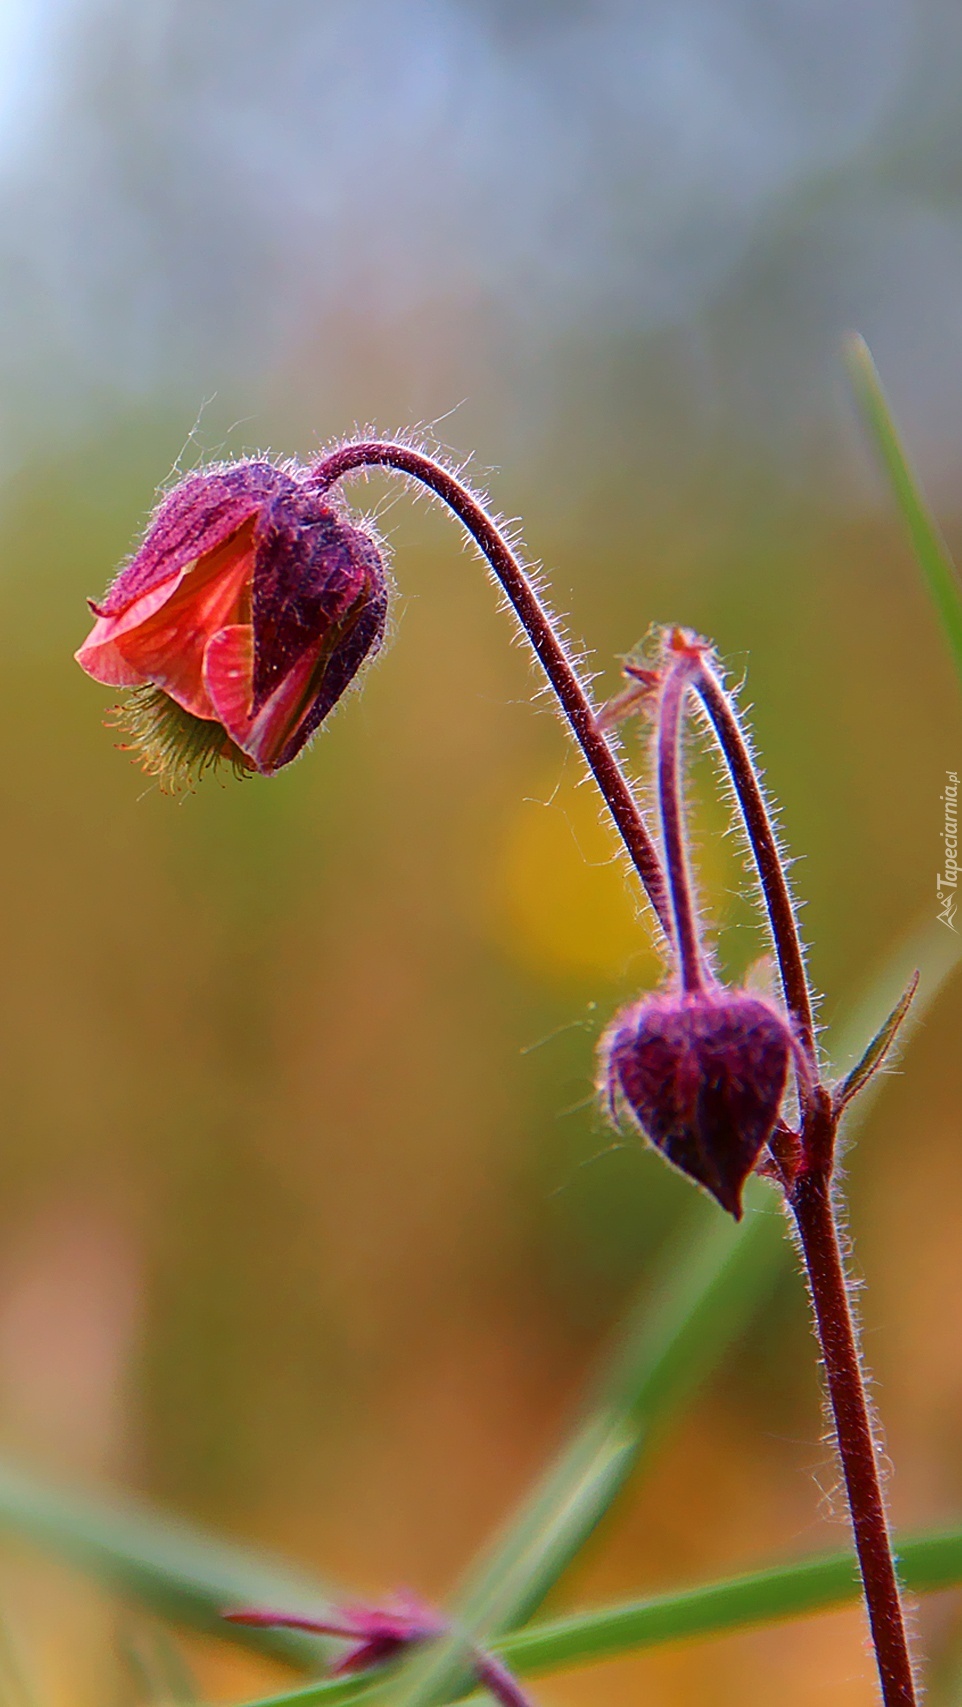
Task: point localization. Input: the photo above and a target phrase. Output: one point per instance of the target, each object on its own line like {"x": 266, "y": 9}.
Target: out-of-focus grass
{"x": 931, "y": 551}
{"x": 682, "y": 1324}
{"x": 180, "y": 1573}
{"x": 926, "y": 1563}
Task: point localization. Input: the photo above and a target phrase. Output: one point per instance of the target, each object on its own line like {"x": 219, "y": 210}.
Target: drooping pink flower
{"x": 240, "y": 621}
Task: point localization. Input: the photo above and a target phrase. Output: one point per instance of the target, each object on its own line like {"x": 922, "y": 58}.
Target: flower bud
{"x": 703, "y": 1074}
{"x": 247, "y": 611}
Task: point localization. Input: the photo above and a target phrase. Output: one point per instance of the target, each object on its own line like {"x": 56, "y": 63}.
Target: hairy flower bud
{"x": 247, "y": 611}
{"x": 703, "y": 1074}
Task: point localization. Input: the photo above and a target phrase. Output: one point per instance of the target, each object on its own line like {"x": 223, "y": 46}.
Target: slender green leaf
{"x": 335, "y": 1691}
{"x": 675, "y": 1333}
{"x": 926, "y": 1563}
{"x": 930, "y": 548}
{"x": 876, "y": 1051}
{"x": 174, "y": 1569}
{"x": 930, "y": 952}
{"x": 674, "y": 1336}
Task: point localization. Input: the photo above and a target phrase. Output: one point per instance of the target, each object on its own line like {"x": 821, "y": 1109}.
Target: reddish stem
{"x": 811, "y": 1200}
{"x": 676, "y": 686}
{"x": 812, "y": 1207}
{"x": 540, "y": 631}
{"x": 764, "y": 847}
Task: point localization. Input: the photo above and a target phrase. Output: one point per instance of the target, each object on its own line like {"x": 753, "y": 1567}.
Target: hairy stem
{"x": 811, "y": 1205}
{"x": 540, "y": 631}
{"x": 764, "y": 847}
{"x": 676, "y": 686}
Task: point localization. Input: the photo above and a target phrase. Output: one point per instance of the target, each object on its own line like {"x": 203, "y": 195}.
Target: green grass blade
{"x": 675, "y": 1335}
{"x": 930, "y": 548}
{"x": 177, "y": 1571}
{"x": 927, "y": 1563}
{"x": 677, "y": 1332}
{"x": 333, "y": 1691}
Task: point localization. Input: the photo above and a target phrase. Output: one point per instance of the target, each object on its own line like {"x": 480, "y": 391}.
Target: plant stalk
{"x": 761, "y": 835}
{"x": 540, "y": 631}
{"x": 813, "y": 1210}
{"x": 673, "y": 694}
{"x": 811, "y": 1203}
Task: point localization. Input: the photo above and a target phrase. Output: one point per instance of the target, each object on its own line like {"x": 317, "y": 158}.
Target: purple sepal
{"x": 703, "y": 1075}
{"x": 201, "y": 513}
{"x": 310, "y": 569}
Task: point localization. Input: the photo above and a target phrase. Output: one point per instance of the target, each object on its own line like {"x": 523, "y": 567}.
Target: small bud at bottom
{"x": 703, "y": 1074}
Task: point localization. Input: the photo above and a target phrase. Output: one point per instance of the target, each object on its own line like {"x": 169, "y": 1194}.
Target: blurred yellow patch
{"x": 564, "y": 904}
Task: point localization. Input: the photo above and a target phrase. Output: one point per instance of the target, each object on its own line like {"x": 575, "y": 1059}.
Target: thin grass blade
{"x": 927, "y": 1563}
{"x": 176, "y": 1570}
{"x": 674, "y": 1336}
{"x": 934, "y": 558}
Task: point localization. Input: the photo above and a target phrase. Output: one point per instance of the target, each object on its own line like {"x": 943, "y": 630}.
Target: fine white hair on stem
{"x": 730, "y": 792}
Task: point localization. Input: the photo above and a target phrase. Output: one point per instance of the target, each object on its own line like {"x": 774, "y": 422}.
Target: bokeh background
{"x": 309, "y": 1225}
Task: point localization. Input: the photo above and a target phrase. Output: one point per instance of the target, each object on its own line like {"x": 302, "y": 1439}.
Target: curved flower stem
{"x": 676, "y": 685}
{"x": 764, "y": 847}
{"x": 810, "y": 1200}
{"x": 540, "y": 631}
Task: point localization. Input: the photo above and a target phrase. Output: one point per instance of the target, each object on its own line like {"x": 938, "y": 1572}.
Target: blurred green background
{"x": 309, "y": 1224}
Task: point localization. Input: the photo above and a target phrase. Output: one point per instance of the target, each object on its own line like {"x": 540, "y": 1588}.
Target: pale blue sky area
{"x": 190, "y": 191}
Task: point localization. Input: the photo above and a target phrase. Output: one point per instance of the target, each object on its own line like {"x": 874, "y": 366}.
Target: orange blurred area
{"x": 311, "y": 1227}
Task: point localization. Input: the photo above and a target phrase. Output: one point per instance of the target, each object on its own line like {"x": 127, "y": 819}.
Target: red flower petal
{"x": 162, "y": 636}
{"x": 228, "y": 676}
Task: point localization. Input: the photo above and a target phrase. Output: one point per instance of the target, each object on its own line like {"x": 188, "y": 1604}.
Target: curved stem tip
{"x": 540, "y": 631}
